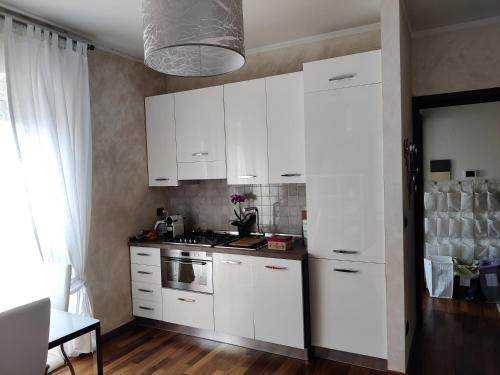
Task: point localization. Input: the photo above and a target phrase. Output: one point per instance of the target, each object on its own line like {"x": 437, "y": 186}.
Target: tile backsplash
{"x": 207, "y": 205}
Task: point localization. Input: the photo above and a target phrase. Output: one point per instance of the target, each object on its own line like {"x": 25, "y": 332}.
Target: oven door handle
{"x": 183, "y": 262}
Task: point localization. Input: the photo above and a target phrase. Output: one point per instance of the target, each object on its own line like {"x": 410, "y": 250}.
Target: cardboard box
{"x": 280, "y": 243}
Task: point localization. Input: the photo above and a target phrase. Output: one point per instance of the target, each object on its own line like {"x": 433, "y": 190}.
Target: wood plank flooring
{"x": 457, "y": 337}
{"x": 148, "y": 351}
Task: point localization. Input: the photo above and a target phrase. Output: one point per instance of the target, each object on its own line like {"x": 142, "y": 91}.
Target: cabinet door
{"x": 278, "y": 307}
{"x": 233, "y": 309}
{"x": 145, "y": 274}
{"x": 285, "y": 128}
{"x": 246, "y": 132}
{"x": 188, "y": 308}
{"x": 147, "y": 309}
{"x": 160, "y": 135}
{"x": 348, "y": 306}
{"x": 149, "y": 256}
{"x": 199, "y": 119}
{"x": 345, "y": 71}
{"x": 344, "y": 162}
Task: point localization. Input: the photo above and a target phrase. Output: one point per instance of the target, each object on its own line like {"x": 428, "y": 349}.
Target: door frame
{"x": 425, "y": 102}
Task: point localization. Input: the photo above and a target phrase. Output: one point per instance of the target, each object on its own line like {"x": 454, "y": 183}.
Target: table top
{"x": 65, "y": 326}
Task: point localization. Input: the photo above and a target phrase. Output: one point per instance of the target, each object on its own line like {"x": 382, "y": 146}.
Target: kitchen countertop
{"x": 297, "y": 252}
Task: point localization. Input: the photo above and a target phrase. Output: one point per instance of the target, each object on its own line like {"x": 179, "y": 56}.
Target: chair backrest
{"x": 56, "y": 282}
{"x": 24, "y": 336}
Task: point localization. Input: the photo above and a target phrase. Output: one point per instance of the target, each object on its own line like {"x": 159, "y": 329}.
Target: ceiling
{"x": 117, "y": 24}
{"x": 429, "y": 14}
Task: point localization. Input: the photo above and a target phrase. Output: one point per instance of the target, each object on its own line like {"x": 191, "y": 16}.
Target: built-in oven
{"x": 187, "y": 270}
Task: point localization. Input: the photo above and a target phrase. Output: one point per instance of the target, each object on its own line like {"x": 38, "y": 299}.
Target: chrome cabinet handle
{"x": 231, "y": 262}
{"x": 145, "y": 272}
{"x": 345, "y": 270}
{"x": 291, "y": 175}
{"x": 145, "y": 290}
{"x": 248, "y": 176}
{"x": 202, "y": 153}
{"x": 162, "y": 179}
{"x": 146, "y": 308}
{"x": 186, "y": 263}
{"x": 341, "y": 77}
{"x": 346, "y": 251}
{"x": 276, "y": 267}
{"x": 143, "y": 254}
{"x": 186, "y": 299}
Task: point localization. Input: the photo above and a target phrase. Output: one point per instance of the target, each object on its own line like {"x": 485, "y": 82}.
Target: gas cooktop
{"x": 203, "y": 238}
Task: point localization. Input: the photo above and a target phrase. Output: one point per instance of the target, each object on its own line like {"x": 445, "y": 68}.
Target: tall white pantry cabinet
{"x": 345, "y": 203}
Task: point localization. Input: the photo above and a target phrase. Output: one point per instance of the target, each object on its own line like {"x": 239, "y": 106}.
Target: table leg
{"x": 67, "y": 362}
{"x": 98, "y": 349}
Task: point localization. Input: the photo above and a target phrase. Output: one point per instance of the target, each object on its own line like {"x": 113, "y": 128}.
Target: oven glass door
{"x": 187, "y": 274}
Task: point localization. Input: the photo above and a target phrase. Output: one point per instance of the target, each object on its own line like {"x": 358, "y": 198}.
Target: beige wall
{"x": 459, "y": 60}
{"x": 397, "y": 125}
{"x": 122, "y": 203}
{"x": 284, "y": 60}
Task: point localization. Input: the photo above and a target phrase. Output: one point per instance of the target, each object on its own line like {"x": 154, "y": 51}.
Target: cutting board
{"x": 248, "y": 242}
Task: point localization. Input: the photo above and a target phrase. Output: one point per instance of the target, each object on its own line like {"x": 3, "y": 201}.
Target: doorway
{"x": 457, "y": 226}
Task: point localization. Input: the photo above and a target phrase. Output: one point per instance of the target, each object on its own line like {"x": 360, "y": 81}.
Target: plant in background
{"x": 244, "y": 220}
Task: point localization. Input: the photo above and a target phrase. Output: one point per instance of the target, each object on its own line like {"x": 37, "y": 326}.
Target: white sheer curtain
{"x": 49, "y": 107}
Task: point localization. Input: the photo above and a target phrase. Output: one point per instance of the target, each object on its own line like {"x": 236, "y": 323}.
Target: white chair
{"x": 55, "y": 282}
{"x": 24, "y": 336}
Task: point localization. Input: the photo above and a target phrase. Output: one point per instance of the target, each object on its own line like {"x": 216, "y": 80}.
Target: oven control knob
{"x": 194, "y": 240}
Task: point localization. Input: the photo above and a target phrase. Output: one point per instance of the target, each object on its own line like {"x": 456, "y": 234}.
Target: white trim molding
{"x": 317, "y": 38}
{"x": 457, "y": 26}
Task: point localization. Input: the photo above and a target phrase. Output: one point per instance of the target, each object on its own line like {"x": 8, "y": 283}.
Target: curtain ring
{"x": 8, "y": 23}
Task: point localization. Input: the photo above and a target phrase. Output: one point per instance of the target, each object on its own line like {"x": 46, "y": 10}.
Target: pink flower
{"x": 237, "y": 198}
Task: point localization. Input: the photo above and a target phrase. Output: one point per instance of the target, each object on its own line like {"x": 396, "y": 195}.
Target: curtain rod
{"x": 25, "y": 20}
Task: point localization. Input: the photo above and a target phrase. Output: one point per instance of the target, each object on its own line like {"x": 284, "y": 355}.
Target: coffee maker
{"x": 169, "y": 226}
{"x": 175, "y": 226}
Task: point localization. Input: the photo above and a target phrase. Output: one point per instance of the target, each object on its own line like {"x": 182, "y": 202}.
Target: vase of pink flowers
{"x": 244, "y": 221}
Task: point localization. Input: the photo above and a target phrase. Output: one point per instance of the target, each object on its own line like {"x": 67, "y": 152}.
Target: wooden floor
{"x": 144, "y": 351}
{"x": 456, "y": 338}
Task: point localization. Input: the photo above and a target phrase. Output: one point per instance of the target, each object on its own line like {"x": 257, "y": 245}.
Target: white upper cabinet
{"x": 345, "y": 71}
{"x": 285, "y": 128}
{"x": 345, "y": 196}
{"x": 345, "y": 177}
{"x": 278, "y": 304}
{"x": 233, "y": 308}
{"x": 246, "y": 132}
{"x": 160, "y": 135}
{"x": 199, "y": 118}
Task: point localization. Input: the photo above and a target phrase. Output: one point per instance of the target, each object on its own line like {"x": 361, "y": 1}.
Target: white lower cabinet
{"x": 259, "y": 298}
{"x": 233, "y": 308}
{"x": 254, "y": 297}
{"x": 348, "y": 306}
{"x": 188, "y": 308}
{"x": 146, "y": 291}
{"x": 146, "y": 274}
{"x": 147, "y": 309}
{"x": 278, "y": 303}
{"x": 149, "y": 256}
